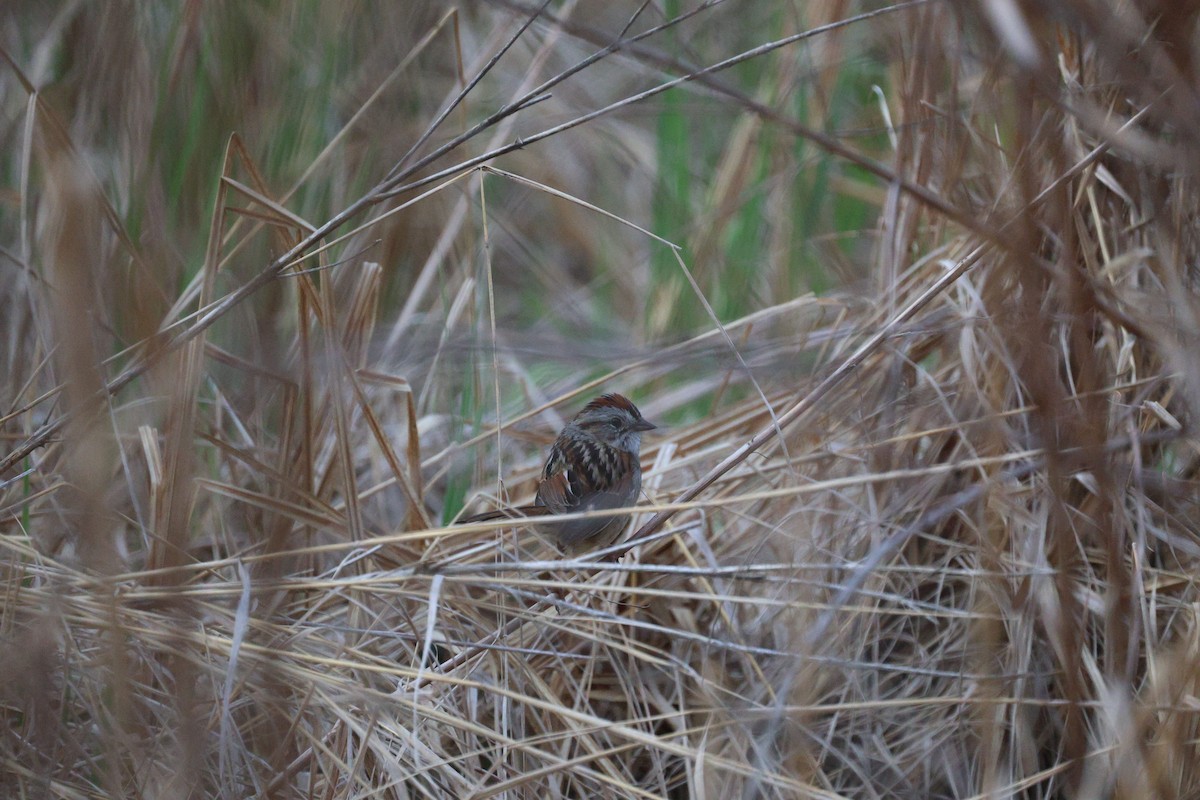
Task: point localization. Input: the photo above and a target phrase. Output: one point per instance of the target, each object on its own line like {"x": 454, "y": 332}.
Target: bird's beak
{"x": 643, "y": 425}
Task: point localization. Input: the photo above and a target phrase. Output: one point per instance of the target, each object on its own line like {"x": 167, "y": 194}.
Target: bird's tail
{"x": 518, "y": 512}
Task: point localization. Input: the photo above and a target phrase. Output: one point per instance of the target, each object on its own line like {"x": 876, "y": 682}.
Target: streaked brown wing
{"x": 620, "y": 492}
{"x": 554, "y": 492}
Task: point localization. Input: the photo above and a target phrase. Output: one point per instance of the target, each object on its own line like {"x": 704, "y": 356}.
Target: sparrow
{"x": 593, "y": 466}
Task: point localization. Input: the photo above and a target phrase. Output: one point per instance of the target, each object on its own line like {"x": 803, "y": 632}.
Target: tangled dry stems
{"x": 966, "y": 570}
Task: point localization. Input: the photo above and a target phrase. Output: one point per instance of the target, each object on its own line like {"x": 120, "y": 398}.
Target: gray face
{"x": 613, "y": 427}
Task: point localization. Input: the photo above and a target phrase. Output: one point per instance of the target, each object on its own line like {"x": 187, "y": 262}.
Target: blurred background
{"x": 287, "y": 287}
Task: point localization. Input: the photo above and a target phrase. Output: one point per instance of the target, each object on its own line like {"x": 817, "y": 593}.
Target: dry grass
{"x": 930, "y": 532}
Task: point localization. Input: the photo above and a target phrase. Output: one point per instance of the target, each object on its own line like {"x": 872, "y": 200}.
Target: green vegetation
{"x": 911, "y": 292}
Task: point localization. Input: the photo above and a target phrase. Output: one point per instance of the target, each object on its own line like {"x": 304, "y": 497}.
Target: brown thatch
{"x": 913, "y": 287}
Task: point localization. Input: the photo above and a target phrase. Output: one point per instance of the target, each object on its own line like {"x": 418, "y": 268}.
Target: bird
{"x": 593, "y": 465}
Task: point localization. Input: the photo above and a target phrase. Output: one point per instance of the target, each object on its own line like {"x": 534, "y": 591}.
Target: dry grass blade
{"x": 911, "y": 291}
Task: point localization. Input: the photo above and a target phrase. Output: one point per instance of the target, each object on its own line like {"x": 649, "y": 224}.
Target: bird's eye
{"x": 612, "y": 423}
